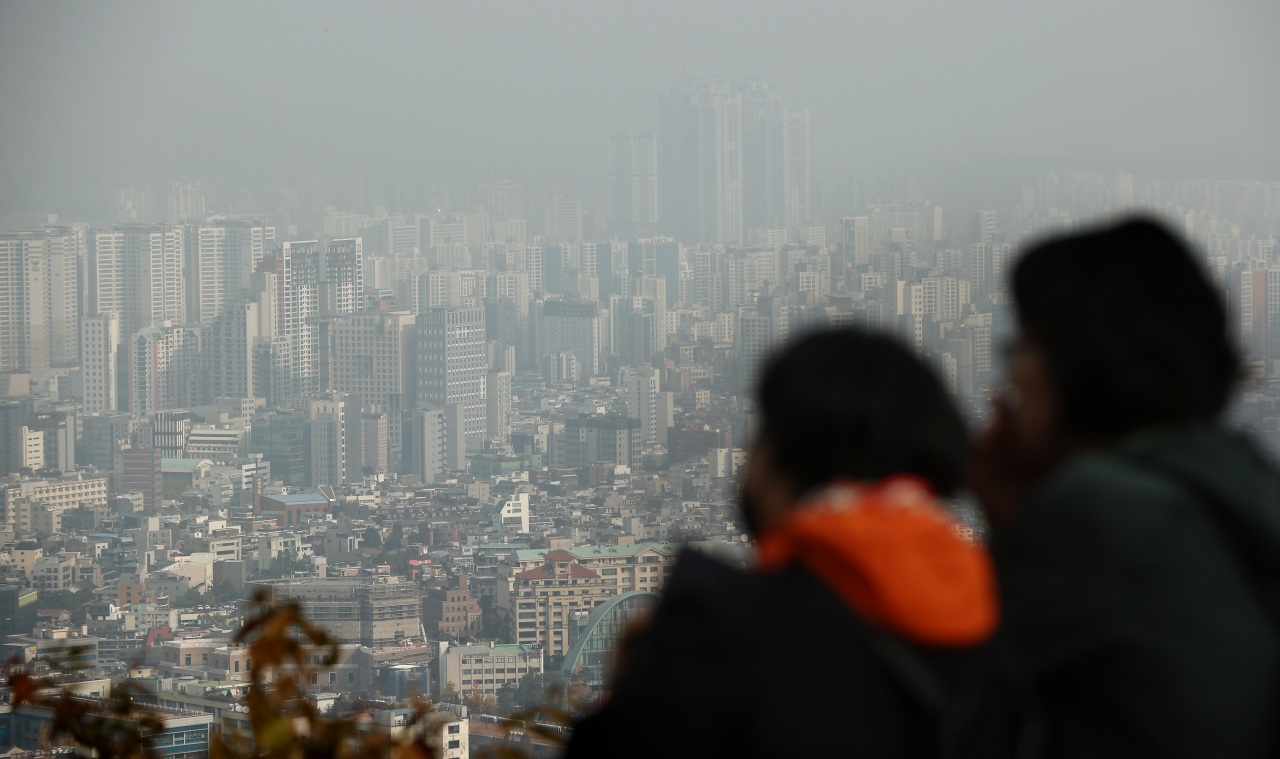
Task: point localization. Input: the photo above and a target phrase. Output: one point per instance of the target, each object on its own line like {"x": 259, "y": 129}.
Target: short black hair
{"x": 1133, "y": 332}
{"x": 846, "y": 403}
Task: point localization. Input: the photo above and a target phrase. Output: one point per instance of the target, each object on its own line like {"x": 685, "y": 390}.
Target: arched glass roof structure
{"x": 599, "y": 637}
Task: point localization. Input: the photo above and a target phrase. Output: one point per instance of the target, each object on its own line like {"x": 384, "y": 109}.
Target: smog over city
{"x": 563, "y": 379}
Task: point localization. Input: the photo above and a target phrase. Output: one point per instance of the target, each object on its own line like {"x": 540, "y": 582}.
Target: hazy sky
{"x": 531, "y": 90}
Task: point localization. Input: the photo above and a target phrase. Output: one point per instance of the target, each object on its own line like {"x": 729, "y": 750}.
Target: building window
{"x": 351, "y": 678}
{"x": 315, "y": 678}
{"x": 454, "y": 729}
{"x": 188, "y": 659}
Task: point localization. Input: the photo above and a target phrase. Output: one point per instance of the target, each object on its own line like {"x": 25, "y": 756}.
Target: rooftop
{"x": 294, "y": 499}
{"x": 590, "y": 552}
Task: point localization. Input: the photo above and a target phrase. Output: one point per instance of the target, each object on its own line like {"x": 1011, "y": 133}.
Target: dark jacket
{"x": 1131, "y": 608}
{"x": 750, "y": 664}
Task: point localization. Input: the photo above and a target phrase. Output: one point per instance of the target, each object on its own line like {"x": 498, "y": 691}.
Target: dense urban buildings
{"x": 469, "y": 428}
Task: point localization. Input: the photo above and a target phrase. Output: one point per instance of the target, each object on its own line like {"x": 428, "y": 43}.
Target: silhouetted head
{"x": 1129, "y": 330}
{"x": 844, "y": 403}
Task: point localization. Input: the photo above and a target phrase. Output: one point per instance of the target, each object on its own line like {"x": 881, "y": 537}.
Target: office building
{"x": 371, "y": 611}
{"x": 451, "y": 365}
{"x": 373, "y": 356}
{"x": 570, "y": 326}
{"x": 600, "y": 438}
{"x": 486, "y": 669}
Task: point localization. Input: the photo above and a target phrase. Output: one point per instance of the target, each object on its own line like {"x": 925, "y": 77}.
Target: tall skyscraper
{"x": 296, "y": 281}
{"x": 220, "y": 257}
{"x": 733, "y": 159}
{"x": 451, "y": 364}
{"x": 700, "y": 165}
{"x": 633, "y": 184}
{"x": 136, "y": 271}
{"x": 100, "y": 354}
{"x": 39, "y": 312}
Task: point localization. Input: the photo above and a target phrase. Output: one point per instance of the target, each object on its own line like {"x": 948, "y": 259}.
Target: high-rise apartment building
{"x": 498, "y": 404}
{"x": 39, "y": 305}
{"x": 373, "y": 357}
{"x": 296, "y": 285}
{"x": 982, "y": 226}
{"x": 219, "y": 259}
{"x": 228, "y": 344}
{"x": 99, "y": 362}
{"x": 452, "y": 364}
{"x": 136, "y": 271}
{"x": 342, "y": 291}
{"x": 644, "y": 401}
{"x": 164, "y": 368}
{"x": 423, "y": 449}
{"x": 633, "y": 184}
{"x": 700, "y": 165}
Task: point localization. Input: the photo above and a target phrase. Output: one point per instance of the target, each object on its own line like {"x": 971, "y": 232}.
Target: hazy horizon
{"x": 456, "y": 95}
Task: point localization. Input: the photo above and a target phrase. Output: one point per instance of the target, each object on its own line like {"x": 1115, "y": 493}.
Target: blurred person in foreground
{"x": 1132, "y": 530}
{"x": 866, "y": 611}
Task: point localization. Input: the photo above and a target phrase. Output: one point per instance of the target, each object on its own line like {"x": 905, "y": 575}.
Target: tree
{"x": 373, "y": 537}
{"x": 397, "y": 537}
{"x": 531, "y": 691}
{"x": 507, "y": 699}
{"x": 224, "y": 591}
{"x": 450, "y": 695}
{"x": 478, "y": 701}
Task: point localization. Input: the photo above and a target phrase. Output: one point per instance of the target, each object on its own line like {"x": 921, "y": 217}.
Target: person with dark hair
{"x": 1133, "y": 533}
{"x": 866, "y": 612}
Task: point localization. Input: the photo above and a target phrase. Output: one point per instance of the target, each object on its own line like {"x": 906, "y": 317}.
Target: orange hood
{"x": 893, "y": 554}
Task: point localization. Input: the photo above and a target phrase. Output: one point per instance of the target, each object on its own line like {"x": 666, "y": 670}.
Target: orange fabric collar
{"x": 893, "y": 554}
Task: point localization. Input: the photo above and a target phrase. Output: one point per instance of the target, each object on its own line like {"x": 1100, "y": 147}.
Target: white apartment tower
{"x": 296, "y": 266}
{"x": 136, "y": 271}
{"x": 99, "y": 356}
{"x": 220, "y": 257}
{"x": 343, "y": 287}
{"x": 164, "y": 368}
{"x": 39, "y": 314}
{"x": 644, "y": 400}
